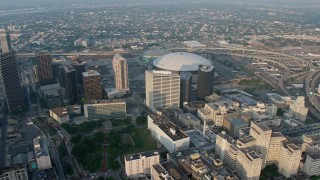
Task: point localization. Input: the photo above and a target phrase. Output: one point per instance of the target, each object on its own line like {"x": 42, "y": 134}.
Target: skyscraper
{"x": 11, "y": 81}
{"x": 205, "y": 81}
{"x": 5, "y": 42}
{"x": 120, "y": 69}
{"x": 70, "y": 77}
{"x": 92, "y": 85}
{"x": 45, "y": 75}
{"x": 185, "y": 87}
{"x": 162, "y": 89}
{"x": 80, "y": 68}
{"x": 10, "y": 76}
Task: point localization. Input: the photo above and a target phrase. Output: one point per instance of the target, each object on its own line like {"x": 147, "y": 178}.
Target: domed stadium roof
{"x": 180, "y": 61}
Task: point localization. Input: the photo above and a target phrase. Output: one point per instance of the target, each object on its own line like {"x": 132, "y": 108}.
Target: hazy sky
{"x": 34, "y": 3}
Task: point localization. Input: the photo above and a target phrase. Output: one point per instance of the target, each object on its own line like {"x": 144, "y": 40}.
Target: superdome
{"x": 180, "y": 61}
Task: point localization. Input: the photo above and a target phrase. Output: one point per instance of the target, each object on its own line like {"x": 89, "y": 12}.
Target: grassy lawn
{"x": 269, "y": 172}
{"x": 143, "y": 142}
{"x": 315, "y": 177}
{"x": 120, "y": 122}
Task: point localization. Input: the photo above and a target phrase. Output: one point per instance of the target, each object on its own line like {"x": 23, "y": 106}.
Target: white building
{"x": 312, "y": 165}
{"x": 42, "y": 154}
{"x": 249, "y": 165}
{"x": 140, "y": 163}
{"x": 289, "y": 159}
{"x": 263, "y": 136}
{"x": 298, "y": 109}
{"x": 167, "y": 133}
{"x": 80, "y": 42}
{"x": 60, "y": 114}
{"x": 162, "y": 89}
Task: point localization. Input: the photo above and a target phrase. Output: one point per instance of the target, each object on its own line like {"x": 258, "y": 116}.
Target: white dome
{"x": 180, "y": 61}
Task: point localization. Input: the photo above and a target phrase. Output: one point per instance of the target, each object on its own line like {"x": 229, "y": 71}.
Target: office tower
{"x": 298, "y": 109}
{"x": 92, "y": 85}
{"x": 205, "y": 81}
{"x": 120, "y": 69}
{"x": 80, "y": 68}
{"x": 162, "y": 89}
{"x": 185, "y": 87}
{"x": 97, "y": 110}
{"x": 55, "y": 71}
{"x": 312, "y": 164}
{"x": 11, "y": 81}
{"x": 44, "y": 68}
{"x": 71, "y": 88}
{"x": 5, "y": 42}
{"x": 140, "y": 163}
{"x": 289, "y": 159}
{"x": 263, "y": 136}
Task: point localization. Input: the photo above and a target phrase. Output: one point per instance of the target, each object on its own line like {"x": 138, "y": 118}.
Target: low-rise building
{"x": 97, "y": 110}
{"x": 60, "y": 114}
{"x": 189, "y": 120}
{"x": 233, "y": 126}
{"x": 167, "y": 170}
{"x": 14, "y": 172}
{"x": 140, "y": 163}
{"x": 42, "y": 154}
{"x": 173, "y": 138}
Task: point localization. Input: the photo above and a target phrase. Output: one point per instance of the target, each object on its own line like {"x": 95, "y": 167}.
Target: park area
{"x": 88, "y": 146}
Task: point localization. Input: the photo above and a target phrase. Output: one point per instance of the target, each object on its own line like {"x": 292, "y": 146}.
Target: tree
{"x": 141, "y": 120}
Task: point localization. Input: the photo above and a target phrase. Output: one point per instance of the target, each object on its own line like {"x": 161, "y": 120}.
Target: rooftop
{"x": 90, "y": 73}
{"x": 40, "y": 147}
{"x": 141, "y": 154}
{"x": 49, "y": 87}
{"x": 181, "y": 61}
{"x": 60, "y": 111}
{"x": 168, "y": 127}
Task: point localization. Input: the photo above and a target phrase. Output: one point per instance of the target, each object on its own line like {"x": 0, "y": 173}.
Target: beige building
{"x": 60, "y": 114}
{"x": 289, "y": 159}
{"x": 214, "y": 112}
{"x": 298, "y": 109}
{"x": 140, "y": 163}
{"x": 167, "y": 171}
{"x": 274, "y": 148}
{"x": 249, "y": 165}
{"x": 226, "y": 149}
{"x": 92, "y": 85}
{"x": 263, "y": 136}
{"x": 42, "y": 154}
{"x": 162, "y": 89}
{"x": 120, "y": 69}
{"x": 104, "y": 109}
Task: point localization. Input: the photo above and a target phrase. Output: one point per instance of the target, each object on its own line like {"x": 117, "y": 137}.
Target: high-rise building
{"x": 289, "y": 159}
{"x": 11, "y": 81}
{"x": 226, "y": 149}
{"x": 71, "y": 88}
{"x": 162, "y": 89}
{"x": 274, "y": 148}
{"x": 5, "y": 42}
{"x": 185, "y": 87}
{"x": 263, "y": 136}
{"x": 205, "y": 81}
{"x": 120, "y": 69}
{"x": 140, "y": 163}
{"x": 92, "y": 85}
{"x": 80, "y": 68}
{"x": 44, "y": 69}
{"x": 249, "y": 164}
{"x": 312, "y": 165}
{"x": 298, "y": 109}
